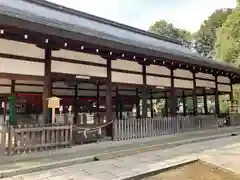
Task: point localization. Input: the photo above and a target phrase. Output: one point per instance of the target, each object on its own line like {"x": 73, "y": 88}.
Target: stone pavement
{"x": 227, "y": 157}
{"x": 129, "y": 166}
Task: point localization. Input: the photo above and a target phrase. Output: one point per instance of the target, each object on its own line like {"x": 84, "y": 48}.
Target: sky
{"x": 186, "y": 14}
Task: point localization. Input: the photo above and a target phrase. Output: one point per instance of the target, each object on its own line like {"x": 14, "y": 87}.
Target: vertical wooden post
{"x": 151, "y": 105}
{"x": 137, "y": 105}
{"x": 109, "y": 98}
{"x": 166, "y": 103}
{"x": 117, "y": 102}
{"x": 173, "y": 99}
{"x": 12, "y": 105}
{"x": 184, "y": 103}
{"x": 47, "y": 87}
{"x": 98, "y": 96}
{"x": 194, "y": 95}
{"x": 76, "y": 103}
{"x": 10, "y": 142}
{"x": 205, "y": 101}
{"x": 144, "y": 93}
{"x": 216, "y": 96}
{"x": 231, "y": 93}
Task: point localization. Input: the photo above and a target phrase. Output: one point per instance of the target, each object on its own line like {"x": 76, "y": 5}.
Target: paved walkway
{"x": 226, "y": 158}
{"x": 125, "y": 167}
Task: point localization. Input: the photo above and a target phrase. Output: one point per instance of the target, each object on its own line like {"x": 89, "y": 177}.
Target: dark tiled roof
{"x": 45, "y": 13}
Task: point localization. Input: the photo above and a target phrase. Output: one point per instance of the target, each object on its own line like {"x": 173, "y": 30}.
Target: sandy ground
{"x": 196, "y": 171}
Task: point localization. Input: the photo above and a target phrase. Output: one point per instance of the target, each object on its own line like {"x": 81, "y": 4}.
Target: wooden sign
{"x": 53, "y": 102}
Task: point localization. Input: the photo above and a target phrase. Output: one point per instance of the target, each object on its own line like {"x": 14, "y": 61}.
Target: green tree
{"x": 164, "y": 28}
{"x": 205, "y": 38}
{"x": 227, "y": 46}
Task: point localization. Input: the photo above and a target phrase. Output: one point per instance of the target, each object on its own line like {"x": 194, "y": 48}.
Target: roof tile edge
{"x": 103, "y": 20}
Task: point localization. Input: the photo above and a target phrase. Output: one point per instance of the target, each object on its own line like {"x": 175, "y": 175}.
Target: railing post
{"x": 70, "y": 135}
{"x": 10, "y": 143}
{"x": 115, "y": 130}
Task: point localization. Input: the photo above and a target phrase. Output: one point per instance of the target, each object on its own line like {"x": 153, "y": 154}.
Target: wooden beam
{"x": 216, "y": 96}
{"x": 117, "y": 102}
{"x": 184, "y": 103}
{"x": 137, "y": 104}
{"x": 47, "y": 87}
{"x": 173, "y": 99}
{"x": 75, "y": 103}
{"x": 109, "y": 98}
{"x": 205, "y": 101}
{"x": 166, "y": 103}
{"x": 144, "y": 92}
{"x": 194, "y": 95}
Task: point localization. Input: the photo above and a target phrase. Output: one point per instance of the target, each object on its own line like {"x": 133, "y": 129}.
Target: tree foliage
{"x": 205, "y": 38}
{"x": 164, "y": 28}
{"x": 227, "y": 46}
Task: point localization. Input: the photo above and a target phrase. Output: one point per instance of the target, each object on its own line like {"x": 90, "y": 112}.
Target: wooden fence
{"x": 3, "y": 138}
{"x": 27, "y": 138}
{"x": 148, "y": 127}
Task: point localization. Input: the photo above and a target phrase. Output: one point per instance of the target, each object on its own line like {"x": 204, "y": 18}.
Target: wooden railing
{"x": 3, "y": 139}
{"x": 28, "y": 138}
{"x": 148, "y": 127}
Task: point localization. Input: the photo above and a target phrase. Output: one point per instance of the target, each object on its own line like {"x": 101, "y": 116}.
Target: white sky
{"x": 186, "y": 14}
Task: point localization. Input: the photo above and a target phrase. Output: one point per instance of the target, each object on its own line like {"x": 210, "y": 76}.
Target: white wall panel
{"x": 223, "y": 79}
{"x": 21, "y": 67}
{"x": 29, "y": 82}
{"x": 5, "y": 81}
{"x": 21, "y": 49}
{"x": 205, "y": 83}
{"x": 60, "y": 84}
{"x": 155, "y": 69}
{"x": 183, "y": 73}
{"x": 63, "y": 92}
{"x": 126, "y": 65}
{"x": 224, "y": 88}
{"x": 158, "y": 81}
{"x": 63, "y": 53}
{"x": 25, "y": 88}
{"x": 87, "y": 93}
{"x": 127, "y": 78}
{"x": 183, "y": 83}
{"x": 87, "y": 86}
{"x": 78, "y": 69}
{"x": 205, "y": 76}
{"x": 5, "y": 90}
{"x": 132, "y": 93}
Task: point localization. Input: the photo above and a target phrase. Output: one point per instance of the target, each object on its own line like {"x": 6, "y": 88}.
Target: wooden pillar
{"x": 75, "y": 103}
{"x": 98, "y": 96}
{"x": 12, "y": 105}
{"x": 231, "y": 93}
{"x": 184, "y": 103}
{"x": 205, "y": 101}
{"x": 194, "y": 95}
{"x": 144, "y": 92}
{"x": 117, "y": 102}
{"x": 216, "y": 96}
{"x": 173, "y": 98}
{"x": 137, "y": 105}
{"x": 151, "y": 105}
{"x": 166, "y": 103}
{"x": 109, "y": 98}
{"x": 47, "y": 86}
